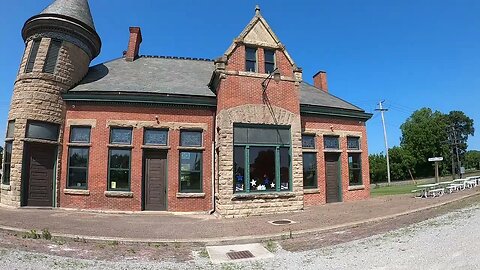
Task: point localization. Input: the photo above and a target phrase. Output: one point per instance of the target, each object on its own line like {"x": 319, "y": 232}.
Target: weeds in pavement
{"x": 271, "y": 246}
{"x": 46, "y": 234}
{"x": 113, "y": 243}
{"x": 203, "y": 253}
{"x": 32, "y": 234}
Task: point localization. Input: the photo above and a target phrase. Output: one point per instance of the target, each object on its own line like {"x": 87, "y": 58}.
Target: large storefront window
{"x": 267, "y": 153}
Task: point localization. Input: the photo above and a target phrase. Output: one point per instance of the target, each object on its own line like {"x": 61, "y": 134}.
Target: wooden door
{"x": 40, "y": 175}
{"x": 155, "y": 186}
{"x": 332, "y": 176}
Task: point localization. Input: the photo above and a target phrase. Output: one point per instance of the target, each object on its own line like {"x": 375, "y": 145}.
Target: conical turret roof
{"x": 76, "y": 9}
{"x": 68, "y": 20}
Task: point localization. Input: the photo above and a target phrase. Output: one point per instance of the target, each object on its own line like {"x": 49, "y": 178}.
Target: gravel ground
{"x": 450, "y": 241}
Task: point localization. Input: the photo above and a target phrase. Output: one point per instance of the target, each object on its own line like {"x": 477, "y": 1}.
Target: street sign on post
{"x": 436, "y": 160}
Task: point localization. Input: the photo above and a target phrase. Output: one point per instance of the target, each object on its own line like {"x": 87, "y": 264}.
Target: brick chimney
{"x": 133, "y": 44}
{"x": 320, "y": 80}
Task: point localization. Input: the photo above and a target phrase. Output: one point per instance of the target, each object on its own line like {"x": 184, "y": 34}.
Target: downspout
{"x": 213, "y": 162}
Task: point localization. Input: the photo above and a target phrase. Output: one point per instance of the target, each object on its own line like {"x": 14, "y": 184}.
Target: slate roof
{"x": 77, "y": 9}
{"x": 310, "y": 95}
{"x": 177, "y": 76}
{"x": 150, "y": 75}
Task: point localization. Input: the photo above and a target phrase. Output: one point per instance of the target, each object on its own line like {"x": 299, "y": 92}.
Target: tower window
{"x": 269, "y": 61}
{"x": 251, "y": 59}
{"x": 32, "y": 56}
{"x": 52, "y": 56}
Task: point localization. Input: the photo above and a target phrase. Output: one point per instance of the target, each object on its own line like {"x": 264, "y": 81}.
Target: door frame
{"x": 339, "y": 175}
{"x": 25, "y": 173}
{"x": 144, "y": 179}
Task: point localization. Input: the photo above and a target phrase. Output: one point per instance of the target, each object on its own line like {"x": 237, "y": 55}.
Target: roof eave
{"x": 312, "y": 110}
{"x": 126, "y": 98}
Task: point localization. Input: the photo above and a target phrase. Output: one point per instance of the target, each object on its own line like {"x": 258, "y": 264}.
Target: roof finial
{"x": 257, "y": 10}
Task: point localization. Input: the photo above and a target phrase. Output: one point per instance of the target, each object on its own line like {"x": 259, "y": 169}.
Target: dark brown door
{"x": 332, "y": 171}
{"x": 40, "y": 164}
{"x": 155, "y": 188}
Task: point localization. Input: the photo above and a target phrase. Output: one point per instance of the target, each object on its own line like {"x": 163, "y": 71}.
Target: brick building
{"x": 240, "y": 135}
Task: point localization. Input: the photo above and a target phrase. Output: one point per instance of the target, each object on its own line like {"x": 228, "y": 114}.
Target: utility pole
{"x": 456, "y": 150}
{"x": 381, "y": 109}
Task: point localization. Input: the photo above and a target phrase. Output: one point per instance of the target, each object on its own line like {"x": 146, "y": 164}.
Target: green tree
{"x": 378, "y": 168}
{"x": 463, "y": 126}
{"x": 472, "y": 159}
{"x": 424, "y": 135}
{"x": 402, "y": 163}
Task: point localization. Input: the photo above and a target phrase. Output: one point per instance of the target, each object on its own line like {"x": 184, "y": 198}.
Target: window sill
{"x": 332, "y": 150}
{"x": 354, "y": 151}
{"x": 6, "y": 187}
{"x": 359, "y": 187}
{"x": 253, "y": 196}
{"x": 190, "y": 195}
{"x": 191, "y": 148}
{"x": 160, "y": 147}
{"x": 120, "y": 145}
{"x": 307, "y": 150}
{"x": 71, "y": 191}
{"x": 79, "y": 144}
{"x": 119, "y": 194}
{"x": 311, "y": 191}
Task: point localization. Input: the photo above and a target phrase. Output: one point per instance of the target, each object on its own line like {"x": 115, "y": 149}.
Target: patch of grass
{"x": 392, "y": 190}
{"x": 78, "y": 239}
{"x": 113, "y": 243}
{"x": 271, "y": 246}
{"x": 203, "y": 253}
{"x": 46, "y": 234}
{"x": 59, "y": 241}
{"x": 32, "y": 234}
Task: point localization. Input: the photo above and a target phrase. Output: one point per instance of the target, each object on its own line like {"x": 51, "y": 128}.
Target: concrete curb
{"x": 242, "y": 239}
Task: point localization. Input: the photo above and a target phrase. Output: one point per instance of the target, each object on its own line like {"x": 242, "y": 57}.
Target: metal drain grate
{"x": 237, "y": 255}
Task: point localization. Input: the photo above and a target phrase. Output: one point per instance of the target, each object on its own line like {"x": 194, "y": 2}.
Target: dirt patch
{"x": 104, "y": 251}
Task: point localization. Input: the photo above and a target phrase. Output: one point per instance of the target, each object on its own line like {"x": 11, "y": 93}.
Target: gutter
{"x": 334, "y": 112}
{"x": 138, "y": 99}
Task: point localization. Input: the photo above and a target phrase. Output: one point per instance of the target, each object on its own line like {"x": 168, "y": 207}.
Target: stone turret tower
{"x": 60, "y": 43}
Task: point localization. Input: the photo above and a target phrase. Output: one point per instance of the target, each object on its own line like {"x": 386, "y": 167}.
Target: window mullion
{"x": 277, "y": 168}
{"x": 247, "y": 169}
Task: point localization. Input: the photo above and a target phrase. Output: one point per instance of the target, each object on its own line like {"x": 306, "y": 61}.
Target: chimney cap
{"x": 320, "y": 71}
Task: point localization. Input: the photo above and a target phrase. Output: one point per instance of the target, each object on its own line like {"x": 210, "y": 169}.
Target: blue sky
{"x": 410, "y": 53}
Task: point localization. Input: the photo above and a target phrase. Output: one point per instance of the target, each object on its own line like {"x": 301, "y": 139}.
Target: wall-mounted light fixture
{"x": 275, "y": 75}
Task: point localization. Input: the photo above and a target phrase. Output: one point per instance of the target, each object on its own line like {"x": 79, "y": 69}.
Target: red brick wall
{"x": 238, "y": 90}
{"x": 341, "y": 126}
{"x": 98, "y": 162}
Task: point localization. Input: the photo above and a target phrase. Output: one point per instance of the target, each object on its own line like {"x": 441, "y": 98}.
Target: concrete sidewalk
{"x": 167, "y": 227}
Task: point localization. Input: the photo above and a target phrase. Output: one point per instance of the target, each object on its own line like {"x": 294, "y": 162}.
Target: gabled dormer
{"x": 254, "y": 55}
